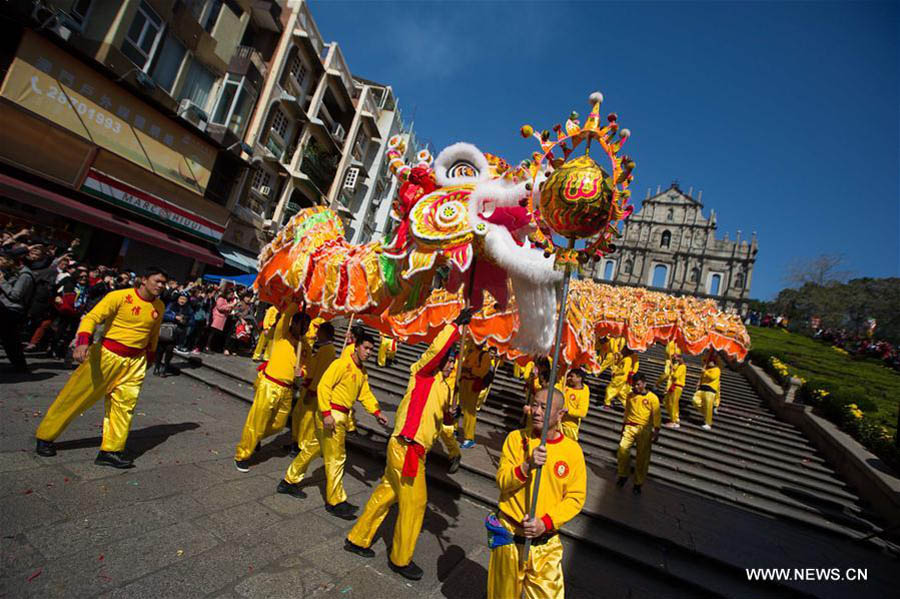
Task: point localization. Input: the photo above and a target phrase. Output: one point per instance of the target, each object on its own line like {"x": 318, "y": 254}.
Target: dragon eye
{"x": 462, "y": 168}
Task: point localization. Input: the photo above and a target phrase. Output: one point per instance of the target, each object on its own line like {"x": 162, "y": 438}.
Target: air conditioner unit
{"x": 338, "y": 131}
{"x": 193, "y": 114}
{"x": 265, "y": 190}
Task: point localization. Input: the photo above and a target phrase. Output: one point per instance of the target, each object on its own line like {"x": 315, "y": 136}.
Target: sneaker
{"x": 360, "y": 551}
{"x": 716, "y": 410}
{"x": 454, "y": 464}
{"x": 242, "y": 465}
{"x": 46, "y": 449}
{"x": 672, "y": 425}
{"x": 343, "y": 510}
{"x": 467, "y": 444}
{"x": 410, "y": 570}
{"x": 636, "y": 489}
{"x": 195, "y": 352}
{"x": 620, "y": 482}
{"x": 115, "y": 459}
{"x": 292, "y": 489}
{"x": 227, "y": 353}
{"x": 706, "y": 427}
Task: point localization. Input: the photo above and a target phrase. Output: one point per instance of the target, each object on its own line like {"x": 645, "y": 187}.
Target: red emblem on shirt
{"x": 155, "y": 315}
{"x": 561, "y": 469}
{"x": 646, "y": 403}
{"x": 572, "y": 396}
{"x": 129, "y": 299}
{"x": 136, "y": 310}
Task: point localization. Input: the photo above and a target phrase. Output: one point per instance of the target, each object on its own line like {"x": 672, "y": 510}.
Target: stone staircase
{"x": 752, "y": 492}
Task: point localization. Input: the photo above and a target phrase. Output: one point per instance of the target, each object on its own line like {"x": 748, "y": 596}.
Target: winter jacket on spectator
{"x": 16, "y": 294}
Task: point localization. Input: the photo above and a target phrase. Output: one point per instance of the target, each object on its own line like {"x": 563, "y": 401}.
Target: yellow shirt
{"x": 283, "y": 358}
{"x": 131, "y": 320}
{"x": 348, "y": 349}
{"x": 617, "y": 344}
{"x": 313, "y": 329}
{"x": 476, "y": 365}
{"x": 342, "y": 384}
{"x": 319, "y": 362}
{"x": 270, "y": 318}
{"x": 626, "y": 367}
{"x": 710, "y": 377}
{"x": 563, "y": 480}
{"x": 639, "y": 409}
{"x": 671, "y": 350}
{"x": 577, "y": 403}
{"x": 677, "y": 376}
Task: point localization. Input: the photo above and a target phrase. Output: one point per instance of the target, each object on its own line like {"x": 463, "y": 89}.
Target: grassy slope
{"x": 875, "y": 388}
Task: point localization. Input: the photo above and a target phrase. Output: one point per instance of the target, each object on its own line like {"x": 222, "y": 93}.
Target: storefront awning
{"x": 45, "y": 199}
{"x": 235, "y": 258}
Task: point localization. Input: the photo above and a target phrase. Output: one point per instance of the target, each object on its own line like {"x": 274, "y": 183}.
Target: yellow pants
{"x": 468, "y": 402}
{"x": 482, "y": 397}
{"x": 303, "y": 418}
{"x": 569, "y": 429}
{"x": 410, "y": 494}
{"x": 264, "y": 344}
{"x": 542, "y": 577}
{"x": 635, "y": 435}
{"x": 705, "y": 401}
{"x": 267, "y": 416}
{"x": 102, "y": 374}
{"x": 384, "y": 351}
{"x": 672, "y": 398}
{"x": 616, "y": 389}
{"x": 607, "y": 362}
{"x": 331, "y": 447}
{"x": 448, "y": 436}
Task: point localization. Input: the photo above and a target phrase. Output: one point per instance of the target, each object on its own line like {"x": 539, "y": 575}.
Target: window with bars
{"x": 80, "y": 11}
{"x": 143, "y": 36}
{"x": 351, "y": 178}
{"x": 279, "y": 123}
{"x": 261, "y": 178}
{"x": 298, "y": 69}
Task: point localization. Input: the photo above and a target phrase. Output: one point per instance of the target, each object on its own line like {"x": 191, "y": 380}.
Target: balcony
{"x": 266, "y": 14}
{"x": 319, "y": 167}
{"x": 338, "y": 69}
{"x": 248, "y": 61}
{"x": 306, "y": 30}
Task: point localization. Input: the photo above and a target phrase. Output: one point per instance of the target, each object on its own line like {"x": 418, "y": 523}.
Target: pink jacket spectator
{"x": 221, "y": 312}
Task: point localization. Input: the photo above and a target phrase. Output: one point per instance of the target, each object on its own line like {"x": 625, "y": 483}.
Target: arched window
{"x": 666, "y": 239}
{"x": 714, "y": 282}
{"x": 739, "y": 280}
{"x": 695, "y": 275}
{"x": 628, "y": 267}
{"x": 609, "y": 268}
{"x": 660, "y": 276}
{"x": 670, "y": 215}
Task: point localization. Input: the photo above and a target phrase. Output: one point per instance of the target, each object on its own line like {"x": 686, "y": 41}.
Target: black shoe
{"x": 636, "y": 489}
{"x": 360, "y": 551}
{"x": 292, "y": 448}
{"x": 454, "y": 464}
{"x": 343, "y": 510}
{"x": 114, "y": 459}
{"x": 242, "y": 465}
{"x": 621, "y": 481}
{"x": 292, "y": 489}
{"x": 410, "y": 570}
{"x": 45, "y": 448}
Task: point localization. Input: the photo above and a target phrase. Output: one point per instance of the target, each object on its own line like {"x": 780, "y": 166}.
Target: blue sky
{"x": 785, "y": 115}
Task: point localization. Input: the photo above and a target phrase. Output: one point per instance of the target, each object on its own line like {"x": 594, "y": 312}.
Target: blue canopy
{"x": 245, "y": 280}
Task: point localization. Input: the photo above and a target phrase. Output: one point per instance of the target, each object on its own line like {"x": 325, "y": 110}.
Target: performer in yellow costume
{"x": 578, "y": 400}
{"x": 448, "y": 428}
{"x": 113, "y": 369}
{"x": 523, "y": 372}
{"x": 674, "y": 386}
{"x": 610, "y": 351}
{"x": 476, "y": 366}
{"x": 420, "y": 417}
{"x": 622, "y": 376}
{"x": 387, "y": 349}
{"x": 640, "y": 426}
{"x": 274, "y": 387}
{"x": 303, "y": 414}
{"x": 489, "y": 379}
{"x": 708, "y": 391}
{"x": 671, "y": 351}
{"x": 561, "y": 498}
{"x": 343, "y": 382}
{"x": 264, "y": 345}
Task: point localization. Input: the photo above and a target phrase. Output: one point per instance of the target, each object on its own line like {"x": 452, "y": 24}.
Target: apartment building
{"x": 124, "y": 123}
{"x": 318, "y": 134}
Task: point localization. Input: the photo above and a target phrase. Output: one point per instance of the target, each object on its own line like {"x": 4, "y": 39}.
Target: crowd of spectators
{"x": 44, "y": 292}
{"x": 861, "y": 345}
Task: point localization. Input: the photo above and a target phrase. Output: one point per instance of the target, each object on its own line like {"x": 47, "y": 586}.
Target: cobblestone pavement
{"x": 185, "y": 523}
